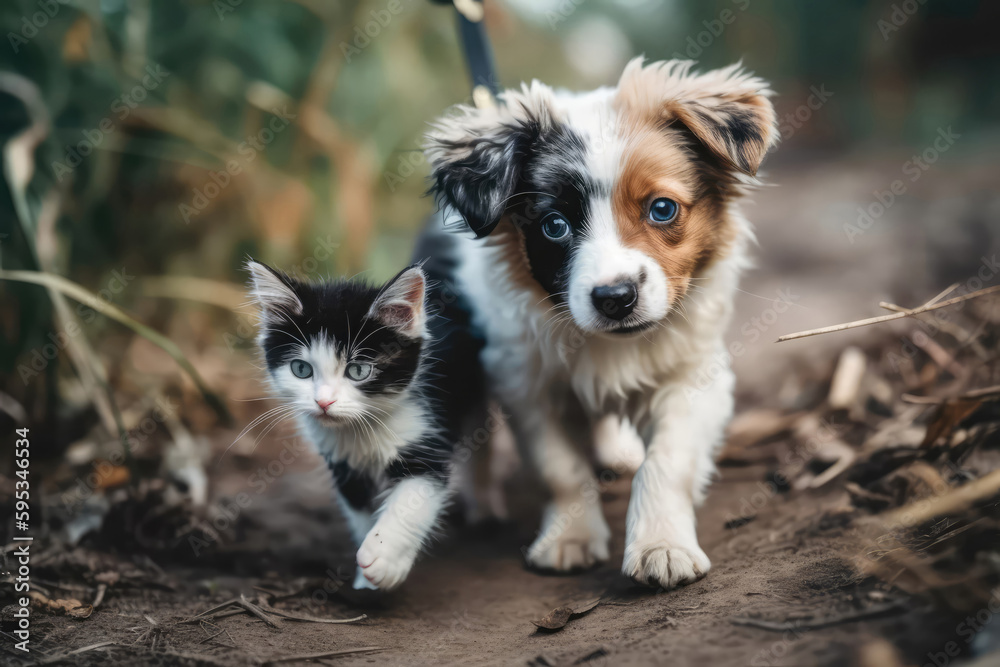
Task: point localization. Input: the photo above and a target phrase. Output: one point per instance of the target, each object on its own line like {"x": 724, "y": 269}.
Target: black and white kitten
{"x": 384, "y": 380}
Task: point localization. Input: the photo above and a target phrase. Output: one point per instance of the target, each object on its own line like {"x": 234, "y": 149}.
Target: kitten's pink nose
{"x": 325, "y": 404}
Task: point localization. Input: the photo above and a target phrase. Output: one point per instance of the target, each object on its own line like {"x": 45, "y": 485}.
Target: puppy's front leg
{"x": 402, "y": 525}
{"x": 574, "y": 533}
{"x": 661, "y": 546}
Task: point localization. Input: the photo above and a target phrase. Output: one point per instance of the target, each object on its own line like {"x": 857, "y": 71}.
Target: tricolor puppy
{"x": 610, "y": 245}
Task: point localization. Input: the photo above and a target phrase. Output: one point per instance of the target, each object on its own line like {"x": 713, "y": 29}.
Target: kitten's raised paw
{"x": 567, "y": 542}
{"x": 384, "y": 565}
{"x": 665, "y": 566}
{"x": 361, "y": 582}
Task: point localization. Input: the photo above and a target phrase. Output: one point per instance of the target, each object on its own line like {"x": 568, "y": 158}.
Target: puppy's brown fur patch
{"x": 655, "y": 165}
{"x": 688, "y": 138}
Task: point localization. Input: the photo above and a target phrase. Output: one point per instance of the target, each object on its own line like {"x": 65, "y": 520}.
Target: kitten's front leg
{"x": 661, "y": 545}
{"x": 360, "y": 521}
{"x": 402, "y": 525}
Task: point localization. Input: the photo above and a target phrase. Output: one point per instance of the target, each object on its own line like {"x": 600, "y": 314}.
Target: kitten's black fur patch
{"x": 358, "y": 490}
{"x": 338, "y": 310}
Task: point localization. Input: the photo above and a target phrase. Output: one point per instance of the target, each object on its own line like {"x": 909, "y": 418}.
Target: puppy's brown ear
{"x": 727, "y": 110}
{"x": 477, "y": 156}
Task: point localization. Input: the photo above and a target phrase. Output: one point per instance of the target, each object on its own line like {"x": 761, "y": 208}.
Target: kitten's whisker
{"x": 264, "y": 398}
{"x": 254, "y": 422}
{"x": 274, "y": 422}
{"x": 383, "y": 425}
{"x": 285, "y": 333}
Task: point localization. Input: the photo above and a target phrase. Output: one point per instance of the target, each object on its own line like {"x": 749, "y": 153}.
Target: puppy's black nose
{"x": 615, "y": 301}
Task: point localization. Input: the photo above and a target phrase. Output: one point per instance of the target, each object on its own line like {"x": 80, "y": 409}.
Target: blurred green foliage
{"x": 290, "y": 130}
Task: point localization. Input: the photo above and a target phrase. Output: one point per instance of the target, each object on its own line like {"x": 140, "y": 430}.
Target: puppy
{"x": 609, "y": 247}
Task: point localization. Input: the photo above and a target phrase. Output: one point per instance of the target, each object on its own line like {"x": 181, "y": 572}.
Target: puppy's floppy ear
{"x": 477, "y": 156}
{"x": 400, "y": 304}
{"x": 727, "y": 110}
{"x": 272, "y": 291}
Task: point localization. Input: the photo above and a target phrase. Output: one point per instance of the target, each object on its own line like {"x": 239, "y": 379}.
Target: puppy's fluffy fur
{"x": 594, "y": 306}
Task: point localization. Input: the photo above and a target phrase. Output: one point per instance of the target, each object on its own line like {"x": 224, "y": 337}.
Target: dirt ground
{"x": 471, "y": 600}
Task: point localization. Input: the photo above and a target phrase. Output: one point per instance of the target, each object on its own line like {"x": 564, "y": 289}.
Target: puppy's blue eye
{"x": 663, "y": 210}
{"x": 555, "y": 228}
{"x": 301, "y": 369}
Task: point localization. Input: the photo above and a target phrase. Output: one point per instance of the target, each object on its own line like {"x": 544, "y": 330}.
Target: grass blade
{"x": 82, "y": 295}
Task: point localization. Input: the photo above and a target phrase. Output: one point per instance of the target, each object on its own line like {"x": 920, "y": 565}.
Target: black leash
{"x": 476, "y": 47}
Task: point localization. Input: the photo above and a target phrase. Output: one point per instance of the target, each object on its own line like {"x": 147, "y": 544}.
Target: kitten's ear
{"x": 272, "y": 291}
{"x": 400, "y": 304}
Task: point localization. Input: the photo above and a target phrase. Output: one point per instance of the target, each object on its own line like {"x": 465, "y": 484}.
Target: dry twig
{"x": 825, "y": 622}
{"x": 320, "y": 656}
{"x": 929, "y": 306}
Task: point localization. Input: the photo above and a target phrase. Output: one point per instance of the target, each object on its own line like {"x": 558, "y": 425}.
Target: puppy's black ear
{"x": 477, "y": 156}
{"x": 726, "y": 110}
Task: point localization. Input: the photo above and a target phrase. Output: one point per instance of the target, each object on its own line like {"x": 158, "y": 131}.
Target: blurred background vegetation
{"x": 151, "y": 145}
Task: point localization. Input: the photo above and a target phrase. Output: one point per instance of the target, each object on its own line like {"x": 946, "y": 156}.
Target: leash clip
{"x": 471, "y": 9}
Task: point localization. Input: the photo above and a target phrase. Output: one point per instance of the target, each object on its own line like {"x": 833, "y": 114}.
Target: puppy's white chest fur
{"x": 534, "y": 348}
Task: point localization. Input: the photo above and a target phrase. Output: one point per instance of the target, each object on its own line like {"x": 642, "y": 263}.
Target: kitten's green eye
{"x": 301, "y": 369}
{"x": 359, "y": 372}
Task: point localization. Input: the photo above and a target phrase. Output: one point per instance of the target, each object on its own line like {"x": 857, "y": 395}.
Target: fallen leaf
{"x": 948, "y": 416}
{"x": 116, "y": 476}
{"x": 558, "y": 617}
{"x": 70, "y": 607}
{"x": 555, "y": 619}
{"x": 110, "y": 577}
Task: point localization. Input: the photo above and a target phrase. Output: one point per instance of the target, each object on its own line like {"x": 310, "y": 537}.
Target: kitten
{"x": 383, "y": 389}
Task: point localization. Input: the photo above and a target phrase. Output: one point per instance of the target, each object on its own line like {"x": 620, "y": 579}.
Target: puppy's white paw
{"x": 660, "y": 565}
{"x": 360, "y": 583}
{"x": 383, "y": 563}
{"x": 570, "y": 538}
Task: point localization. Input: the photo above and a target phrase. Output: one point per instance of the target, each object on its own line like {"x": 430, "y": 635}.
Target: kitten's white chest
{"x": 371, "y": 446}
